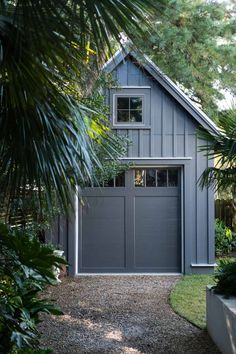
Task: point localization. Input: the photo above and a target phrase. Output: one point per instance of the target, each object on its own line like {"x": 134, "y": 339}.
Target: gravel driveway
{"x": 120, "y": 314}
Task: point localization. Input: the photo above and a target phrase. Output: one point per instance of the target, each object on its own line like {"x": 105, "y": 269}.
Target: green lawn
{"x": 188, "y": 298}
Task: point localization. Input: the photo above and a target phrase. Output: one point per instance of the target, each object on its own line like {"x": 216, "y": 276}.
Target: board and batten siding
{"x": 167, "y": 137}
{"x": 170, "y": 132}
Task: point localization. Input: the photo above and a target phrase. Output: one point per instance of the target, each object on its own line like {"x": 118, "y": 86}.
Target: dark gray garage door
{"x": 132, "y": 224}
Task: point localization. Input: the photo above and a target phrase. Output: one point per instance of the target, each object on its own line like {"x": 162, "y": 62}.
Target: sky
{"x": 228, "y": 102}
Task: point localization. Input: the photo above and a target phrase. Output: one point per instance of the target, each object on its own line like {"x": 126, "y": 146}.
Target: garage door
{"x": 132, "y": 223}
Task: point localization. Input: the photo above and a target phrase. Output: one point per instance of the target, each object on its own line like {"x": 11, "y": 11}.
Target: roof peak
{"x": 164, "y": 81}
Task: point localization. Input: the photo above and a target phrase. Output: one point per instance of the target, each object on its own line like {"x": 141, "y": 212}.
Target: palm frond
{"x": 222, "y": 148}
{"x": 45, "y": 133}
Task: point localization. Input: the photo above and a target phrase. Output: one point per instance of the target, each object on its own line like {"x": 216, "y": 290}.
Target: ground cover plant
{"x": 26, "y": 269}
{"x": 188, "y": 298}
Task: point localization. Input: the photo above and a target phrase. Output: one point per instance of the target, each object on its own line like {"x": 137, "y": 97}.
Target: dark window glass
{"x": 95, "y": 184}
{"x": 172, "y": 177}
{"x": 129, "y": 109}
{"x": 161, "y": 178}
{"x": 135, "y": 116}
{"x": 139, "y": 178}
{"x": 122, "y": 102}
{"x": 123, "y": 116}
{"x": 136, "y": 103}
{"x": 120, "y": 180}
{"x": 151, "y": 178}
{"x": 109, "y": 183}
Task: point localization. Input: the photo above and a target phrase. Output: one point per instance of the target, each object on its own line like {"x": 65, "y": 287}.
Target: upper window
{"x": 129, "y": 109}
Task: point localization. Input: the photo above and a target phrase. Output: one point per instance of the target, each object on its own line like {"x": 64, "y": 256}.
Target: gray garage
{"x": 133, "y": 226}
{"x": 154, "y": 218}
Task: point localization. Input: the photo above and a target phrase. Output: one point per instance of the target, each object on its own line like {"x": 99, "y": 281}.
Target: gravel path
{"x": 120, "y": 314}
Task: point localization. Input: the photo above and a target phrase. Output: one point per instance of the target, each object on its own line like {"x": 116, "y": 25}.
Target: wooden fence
{"x": 58, "y": 234}
{"x": 224, "y": 211}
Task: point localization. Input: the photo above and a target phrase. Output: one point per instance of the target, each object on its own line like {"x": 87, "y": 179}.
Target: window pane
{"x": 139, "y": 178}
{"x": 151, "y": 178}
{"x": 136, "y": 103}
{"x": 109, "y": 183}
{"x": 122, "y": 102}
{"x": 96, "y": 184}
{"x": 136, "y": 116}
{"x": 120, "y": 180}
{"x": 161, "y": 178}
{"x": 173, "y": 177}
{"x": 122, "y": 116}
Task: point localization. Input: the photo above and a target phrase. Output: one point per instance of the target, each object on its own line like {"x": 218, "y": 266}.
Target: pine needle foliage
{"x": 199, "y": 38}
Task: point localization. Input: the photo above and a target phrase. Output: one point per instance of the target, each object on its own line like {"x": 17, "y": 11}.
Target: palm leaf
{"x": 45, "y": 140}
{"x": 222, "y": 147}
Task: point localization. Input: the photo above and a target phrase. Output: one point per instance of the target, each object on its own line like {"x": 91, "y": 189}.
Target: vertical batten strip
{"x": 130, "y": 147}
{"x": 162, "y": 126}
{"x": 208, "y": 220}
{"x": 185, "y": 136}
{"x": 174, "y": 132}
{"x": 140, "y": 143}
{"x": 152, "y": 112}
{"x": 196, "y": 199}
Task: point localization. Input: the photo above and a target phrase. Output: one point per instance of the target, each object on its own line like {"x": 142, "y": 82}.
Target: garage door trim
{"x": 78, "y": 224}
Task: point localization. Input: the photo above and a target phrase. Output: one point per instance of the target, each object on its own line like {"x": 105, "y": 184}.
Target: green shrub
{"x": 225, "y": 277}
{"x": 26, "y": 268}
{"x": 224, "y": 240}
{"x": 234, "y": 241}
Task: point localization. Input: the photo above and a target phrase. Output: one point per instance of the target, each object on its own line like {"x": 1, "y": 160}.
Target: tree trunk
{"x": 233, "y": 204}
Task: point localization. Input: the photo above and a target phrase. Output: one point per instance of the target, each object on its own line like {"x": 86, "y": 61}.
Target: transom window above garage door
{"x": 129, "y": 109}
{"x": 118, "y": 181}
{"x": 156, "y": 177}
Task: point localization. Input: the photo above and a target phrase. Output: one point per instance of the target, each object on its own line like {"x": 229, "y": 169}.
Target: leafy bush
{"x": 224, "y": 238}
{"x": 26, "y": 268}
{"x": 226, "y": 277}
{"x": 233, "y": 240}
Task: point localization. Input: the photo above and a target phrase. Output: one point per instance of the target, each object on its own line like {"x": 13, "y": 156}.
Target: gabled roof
{"x": 164, "y": 81}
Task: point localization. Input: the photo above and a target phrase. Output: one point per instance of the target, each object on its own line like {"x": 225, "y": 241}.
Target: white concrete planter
{"x": 57, "y": 270}
{"x": 221, "y": 321}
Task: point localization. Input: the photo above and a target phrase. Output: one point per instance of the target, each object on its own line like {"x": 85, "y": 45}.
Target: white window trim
{"x": 131, "y": 87}
{"x": 123, "y": 124}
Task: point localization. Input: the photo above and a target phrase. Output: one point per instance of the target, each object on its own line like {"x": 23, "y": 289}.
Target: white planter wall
{"x": 221, "y": 321}
{"x": 56, "y": 271}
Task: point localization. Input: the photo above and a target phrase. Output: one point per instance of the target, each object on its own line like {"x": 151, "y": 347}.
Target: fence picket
{"x": 223, "y": 211}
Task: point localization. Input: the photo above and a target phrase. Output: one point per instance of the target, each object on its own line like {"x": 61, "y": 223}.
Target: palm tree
{"x": 47, "y": 136}
{"x": 222, "y": 147}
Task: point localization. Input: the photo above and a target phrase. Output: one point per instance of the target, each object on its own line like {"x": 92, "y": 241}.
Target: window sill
{"x": 129, "y": 126}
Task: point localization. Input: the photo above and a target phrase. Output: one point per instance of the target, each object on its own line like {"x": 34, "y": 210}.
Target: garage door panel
{"x": 103, "y": 233}
{"x": 135, "y": 228}
{"x": 157, "y": 191}
{"x": 156, "y": 233}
